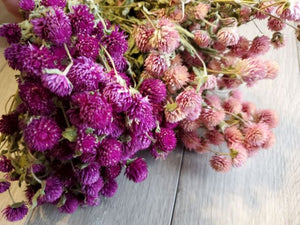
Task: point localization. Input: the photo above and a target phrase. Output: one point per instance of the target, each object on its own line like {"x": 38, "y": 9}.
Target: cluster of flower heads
{"x": 77, "y": 120}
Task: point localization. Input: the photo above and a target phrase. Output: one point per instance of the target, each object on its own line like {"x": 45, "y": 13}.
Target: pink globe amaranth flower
{"x": 192, "y": 60}
{"x": 266, "y": 8}
{"x": 239, "y": 155}
{"x": 214, "y": 137}
{"x": 15, "y": 212}
{"x": 191, "y": 141}
{"x": 173, "y": 113}
{"x": 275, "y": 24}
{"x": 9, "y": 124}
{"x": 53, "y": 190}
{"x": 260, "y": 45}
{"x": 255, "y": 135}
{"x": 82, "y": 20}
{"x": 4, "y": 186}
{"x": 57, "y": 84}
{"x": 137, "y": 170}
{"x": 232, "y": 105}
{"x": 5, "y": 164}
{"x": 270, "y": 141}
{"x": 233, "y": 135}
{"x": 251, "y": 70}
{"x": 156, "y": 64}
{"x": 154, "y": 89}
{"x": 212, "y": 117}
{"x": 110, "y": 188}
{"x": 176, "y": 77}
{"x": 202, "y": 38}
{"x": 111, "y": 172}
{"x": 237, "y": 94}
{"x": 12, "y": 32}
{"x": 118, "y": 96}
{"x": 87, "y": 46}
{"x": 94, "y": 109}
{"x": 268, "y": 117}
{"x": 210, "y": 83}
{"x": 190, "y": 103}
{"x": 54, "y": 27}
{"x": 189, "y": 125}
{"x": 201, "y": 10}
{"x": 165, "y": 140}
{"x": 59, "y": 3}
{"x": 213, "y": 101}
{"x": 70, "y": 205}
{"x": 92, "y": 192}
{"x": 27, "y": 5}
{"x": 165, "y": 38}
{"x": 220, "y": 46}
{"x": 289, "y": 13}
{"x": 241, "y": 48}
{"x": 245, "y": 14}
{"x": 142, "y": 35}
{"x": 249, "y": 108}
{"x": 109, "y": 152}
{"x": 220, "y": 163}
{"x": 42, "y": 134}
{"x": 228, "y": 36}
{"x": 89, "y": 174}
{"x": 85, "y": 75}
{"x": 272, "y": 69}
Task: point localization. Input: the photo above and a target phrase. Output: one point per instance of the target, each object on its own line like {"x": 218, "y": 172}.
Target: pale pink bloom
{"x": 165, "y": 37}
{"x": 173, "y": 113}
{"x": 228, "y": 36}
{"x": 272, "y": 69}
{"x": 177, "y": 15}
{"x": 190, "y": 140}
{"x": 213, "y": 101}
{"x": 270, "y": 141}
{"x": 241, "y": 48}
{"x": 189, "y": 125}
{"x": 201, "y": 10}
{"x": 233, "y": 135}
{"x": 191, "y": 61}
{"x": 176, "y": 77}
{"x": 240, "y": 155}
{"x": 248, "y": 110}
{"x": 220, "y": 163}
{"x": 177, "y": 60}
{"x": 229, "y": 61}
{"x": 260, "y": 45}
{"x": 275, "y": 24}
{"x": 212, "y": 117}
{"x": 245, "y": 14}
{"x": 190, "y": 102}
{"x": 214, "y": 137}
{"x": 229, "y": 82}
{"x": 210, "y": 83}
{"x": 268, "y": 117}
{"x": 219, "y": 46}
{"x": 156, "y": 64}
{"x": 237, "y": 94}
{"x": 142, "y": 35}
{"x": 202, "y": 38}
{"x": 256, "y": 135}
{"x": 232, "y": 105}
{"x": 291, "y": 13}
{"x": 265, "y": 7}
{"x": 215, "y": 64}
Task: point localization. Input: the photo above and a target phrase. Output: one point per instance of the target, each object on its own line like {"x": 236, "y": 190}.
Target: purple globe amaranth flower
{"x": 15, "y": 212}
{"x": 4, "y": 186}
{"x": 54, "y": 27}
{"x": 70, "y": 205}
{"x": 86, "y": 141}
{"x": 58, "y": 3}
{"x": 87, "y": 46}
{"x": 5, "y": 164}
{"x": 137, "y": 170}
{"x": 12, "y": 32}
{"x": 85, "y": 75}
{"x": 155, "y": 89}
{"x": 165, "y": 140}
{"x": 111, "y": 172}
{"x": 118, "y": 95}
{"x": 140, "y": 116}
{"x": 42, "y": 134}
{"x": 92, "y": 192}
{"x": 58, "y": 84}
{"x": 27, "y": 5}
{"x": 15, "y": 56}
{"x": 94, "y": 109}
{"x": 63, "y": 151}
{"x": 109, "y": 152}
{"x": 82, "y": 20}
{"x": 112, "y": 77}
{"x": 9, "y": 124}
{"x": 53, "y": 190}
{"x": 89, "y": 174}
{"x": 120, "y": 62}
{"x": 110, "y": 188}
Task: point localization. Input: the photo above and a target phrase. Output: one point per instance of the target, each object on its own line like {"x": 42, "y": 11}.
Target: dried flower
{"x": 137, "y": 170}
{"x": 27, "y": 5}
{"x": 58, "y": 84}
{"x": 220, "y": 163}
{"x": 89, "y": 174}
{"x": 255, "y": 135}
{"x": 110, "y": 188}
{"x": 156, "y": 64}
{"x": 4, "y": 186}
{"x": 176, "y": 77}
{"x": 233, "y": 135}
{"x": 5, "y": 164}
{"x": 228, "y": 36}
{"x": 268, "y": 117}
{"x": 87, "y": 46}
{"x": 165, "y": 140}
{"x": 59, "y": 3}
{"x": 12, "y": 32}
{"x": 201, "y": 10}
{"x": 202, "y": 38}
{"x": 70, "y": 205}
{"x": 109, "y": 152}
{"x": 239, "y": 155}
{"x": 15, "y": 212}
{"x": 154, "y": 89}
{"x": 9, "y": 124}
{"x": 81, "y": 19}
{"x": 260, "y": 45}
{"x": 53, "y": 190}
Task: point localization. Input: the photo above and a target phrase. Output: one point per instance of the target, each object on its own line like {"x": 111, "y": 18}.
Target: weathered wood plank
{"x": 267, "y": 189}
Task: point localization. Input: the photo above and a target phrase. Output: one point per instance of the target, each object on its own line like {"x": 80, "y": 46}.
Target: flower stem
{"x": 11, "y": 197}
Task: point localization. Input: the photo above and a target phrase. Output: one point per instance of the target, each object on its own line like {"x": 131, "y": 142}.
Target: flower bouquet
{"x": 100, "y": 81}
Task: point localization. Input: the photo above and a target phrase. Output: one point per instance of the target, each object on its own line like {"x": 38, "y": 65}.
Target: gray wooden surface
{"x": 183, "y": 190}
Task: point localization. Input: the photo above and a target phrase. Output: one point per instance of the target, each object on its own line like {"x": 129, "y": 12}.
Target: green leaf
{"x": 70, "y": 134}
{"x": 62, "y": 201}
{"x": 17, "y": 205}
{"x": 39, "y": 193}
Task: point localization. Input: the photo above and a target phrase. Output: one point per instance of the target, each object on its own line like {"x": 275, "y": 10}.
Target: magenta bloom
{"x": 70, "y": 205}
{"x": 5, "y": 164}
{"x": 4, "y": 186}
{"x": 53, "y": 190}
{"x": 82, "y": 20}
{"x": 9, "y": 124}
{"x": 14, "y": 57}
{"x": 59, "y": 3}
{"x": 12, "y": 32}
{"x": 92, "y": 192}
{"x": 94, "y": 109}
{"x": 220, "y": 163}
{"x": 137, "y": 170}
{"x": 260, "y": 45}
{"x": 15, "y": 212}
{"x": 111, "y": 172}
{"x": 166, "y": 140}
{"x": 55, "y": 27}
{"x": 89, "y": 174}
{"x": 109, "y": 152}
{"x": 86, "y": 141}
{"x": 87, "y": 46}
{"x": 27, "y": 5}
{"x": 110, "y": 188}
{"x": 85, "y": 75}
{"x": 155, "y": 90}
{"x": 42, "y": 134}
{"x": 58, "y": 84}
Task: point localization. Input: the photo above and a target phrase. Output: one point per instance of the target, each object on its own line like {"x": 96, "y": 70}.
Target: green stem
{"x": 11, "y": 197}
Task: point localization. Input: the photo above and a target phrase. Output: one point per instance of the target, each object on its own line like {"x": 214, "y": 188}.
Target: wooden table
{"x": 184, "y": 190}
